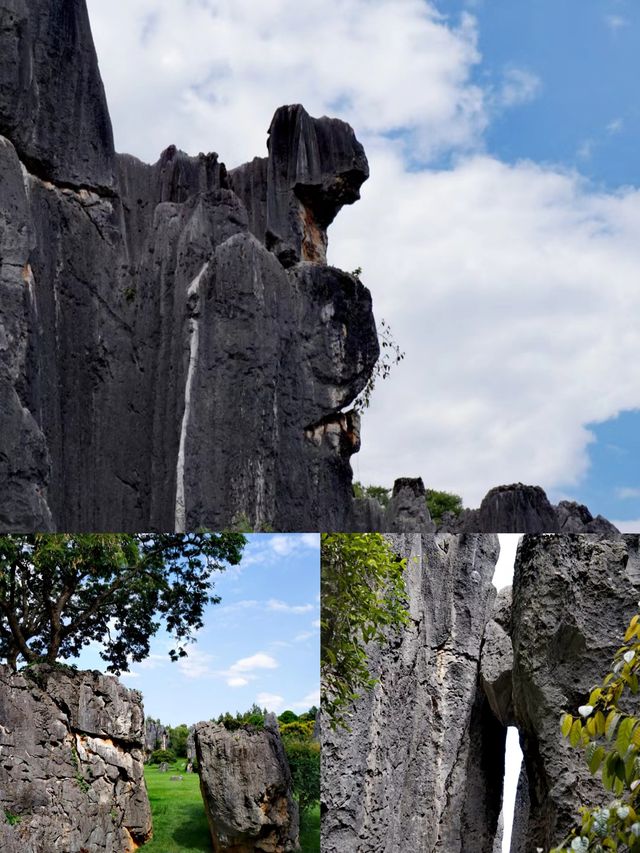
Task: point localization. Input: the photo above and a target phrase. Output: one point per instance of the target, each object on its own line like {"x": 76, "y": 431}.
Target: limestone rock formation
{"x": 421, "y": 768}
{"x": 246, "y": 787}
{"x": 71, "y": 776}
{"x": 516, "y": 508}
{"x": 572, "y": 598}
{"x": 174, "y": 350}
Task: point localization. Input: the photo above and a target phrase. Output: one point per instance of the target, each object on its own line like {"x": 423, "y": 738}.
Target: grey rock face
{"x": 174, "y": 350}
{"x": 52, "y": 102}
{"x": 407, "y": 511}
{"x": 72, "y": 763}
{"x": 572, "y": 598}
{"x": 505, "y": 509}
{"x": 496, "y": 664}
{"x": 246, "y": 787}
{"x": 515, "y": 509}
{"x": 422, "y": 766}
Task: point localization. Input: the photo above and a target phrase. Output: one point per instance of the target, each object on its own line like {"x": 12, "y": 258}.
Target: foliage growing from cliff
{"x": 378, "y": 493}
{"x": 59, "y": 592}
{"x": 390, "y": 356}
{"x": 303, "y": 755}
{"x": 363, "y": 597}
{"x": 440, "y": 502}
{"x": 607, "y": 728}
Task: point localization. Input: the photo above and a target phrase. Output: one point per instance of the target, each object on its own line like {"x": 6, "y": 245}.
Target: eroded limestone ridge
{"x": 174, "y": 350}
{"x": 515, "y": 508}
{"x": 246, "y": 787}
{"x": 71, "y": 763}
{"x": 422, "y": 767}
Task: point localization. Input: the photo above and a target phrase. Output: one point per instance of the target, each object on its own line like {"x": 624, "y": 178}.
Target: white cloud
{"x": 628, "y": 526}
{"x": 260, "y": 660}
{"x": 267, "y": 550}
{"x": 197, "y": 664}
{"x": 305, "y": 635}
{"x": 270, "y": 701}
{"x": 283, "y": 607}
{"x": 518, "y": 87}
{"x": 615, "y": 126}
{"x": 316, "y": 623}
{"x": 208, "y": 76}
{"x": 625, "y": 492}
{"x": 616, "y": 22}
{"x": 237, "y": 681}
{"x": 513, "y": 291}
{"x": 306, "y": 702}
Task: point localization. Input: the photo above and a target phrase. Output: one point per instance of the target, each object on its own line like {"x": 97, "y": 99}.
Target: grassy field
{"x": 179, "y": 822}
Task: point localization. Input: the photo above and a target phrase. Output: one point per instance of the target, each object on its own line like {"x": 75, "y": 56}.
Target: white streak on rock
{"x": 194, "y": 333}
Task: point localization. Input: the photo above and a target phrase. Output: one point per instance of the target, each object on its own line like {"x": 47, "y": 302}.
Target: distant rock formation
{"x": 246, "y": 787}
{"x": 71, "y": 776}
{"x": 156, "y": 735}
{"x": 504, "y": 509}
{"x": 174, "y": 351}
{"x": 422, "y": 767}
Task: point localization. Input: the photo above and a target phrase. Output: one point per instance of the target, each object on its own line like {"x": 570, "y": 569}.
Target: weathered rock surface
{"x": 246, "y": 787}
{"x": 572, "y": 598}
{"x": 504, "y": 509}
{"x": 422, "y": 766}
{"x": 175, "y": 352}
{"x": 71, "y": 774}
{"x": 496, "y": 665}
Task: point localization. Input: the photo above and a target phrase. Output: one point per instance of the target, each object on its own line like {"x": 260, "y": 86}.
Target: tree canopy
{"x": 363, "y": 596}
{"x": 440, "y": 502}
{"x": 59, "y": 592}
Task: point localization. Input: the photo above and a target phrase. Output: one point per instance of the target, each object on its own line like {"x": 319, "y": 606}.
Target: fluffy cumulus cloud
{"x": 208, "y": 74}
{"x": 513, "y": 291}
{"x": 511, "y": 288}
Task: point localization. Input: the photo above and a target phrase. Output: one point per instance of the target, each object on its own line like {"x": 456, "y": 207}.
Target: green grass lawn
{"x": 179, "y": 822}
{"x": 310, "y": 832}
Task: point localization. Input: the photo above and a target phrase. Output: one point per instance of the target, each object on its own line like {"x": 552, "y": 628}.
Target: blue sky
{"x": 498, "y": 232}
{"x": 261, "y": 643}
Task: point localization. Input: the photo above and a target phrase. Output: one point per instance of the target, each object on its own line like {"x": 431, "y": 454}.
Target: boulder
{"x": 71, "y": 777}
{"x": 246, "y": 787}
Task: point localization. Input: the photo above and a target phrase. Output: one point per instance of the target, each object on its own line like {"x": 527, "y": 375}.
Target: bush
{"x": 287, "y": 717}
{"x": 298, "y": 730}
{"x": 162, "y": 755}
{"x": 440, "y": 502}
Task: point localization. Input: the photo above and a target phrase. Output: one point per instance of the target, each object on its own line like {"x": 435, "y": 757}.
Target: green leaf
{"x": 566, "y": 723}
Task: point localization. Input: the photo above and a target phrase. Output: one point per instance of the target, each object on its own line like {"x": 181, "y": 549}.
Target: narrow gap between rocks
{"x": 503, "y": 576}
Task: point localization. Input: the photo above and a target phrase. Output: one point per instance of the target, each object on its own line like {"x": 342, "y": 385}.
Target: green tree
{"x": 390, "y": 356}
{"x": 287, "y": 717}
{"x": 440, "y": 502}
{"x": 607, "y": 728}
{"x": 363, "y": 596}
{"x": 378, "y": 493}
{"x": 59, "y": 592}
{"x": 178, "y": 737}
{"x": 303, "y": 756}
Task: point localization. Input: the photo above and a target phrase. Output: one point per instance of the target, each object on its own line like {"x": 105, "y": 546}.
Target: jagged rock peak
{"x": 314, "y": 167}
{"x": 72, "y": 769}
{"x": 515, "y": 508}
